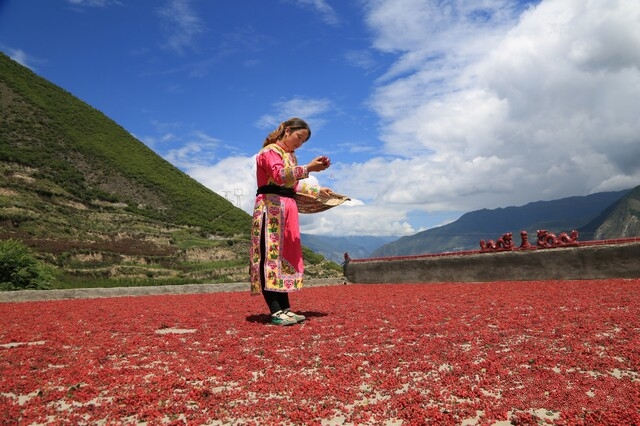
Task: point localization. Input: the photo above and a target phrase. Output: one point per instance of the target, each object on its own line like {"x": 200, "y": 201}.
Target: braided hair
{"x": 291, "y": 124}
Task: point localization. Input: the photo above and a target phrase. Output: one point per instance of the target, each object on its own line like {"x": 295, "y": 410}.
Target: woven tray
{"x": 310, "y": 204}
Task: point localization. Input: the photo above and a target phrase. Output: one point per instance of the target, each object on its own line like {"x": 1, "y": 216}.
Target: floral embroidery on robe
{"x": 277, "y": 216}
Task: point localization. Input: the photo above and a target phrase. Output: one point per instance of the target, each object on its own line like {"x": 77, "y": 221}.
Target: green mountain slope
{"x": 624, "y": 219}
{"x": 99, "y": 205}
{"x": 81, "y": 151}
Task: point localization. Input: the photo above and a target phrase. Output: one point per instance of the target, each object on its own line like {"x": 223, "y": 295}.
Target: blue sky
{"x": 427, "y": 108}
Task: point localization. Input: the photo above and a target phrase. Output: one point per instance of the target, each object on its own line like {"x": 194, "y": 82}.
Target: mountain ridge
{"x": 334, "y": 248}
{"x": 624, "y": 219}
{"x": 83, "y": 151}
{"x": 566, "y": 214}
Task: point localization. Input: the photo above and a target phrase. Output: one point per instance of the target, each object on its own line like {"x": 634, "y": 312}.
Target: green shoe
{"x": 280, "y": 318}
{"x": 294, "y": 316}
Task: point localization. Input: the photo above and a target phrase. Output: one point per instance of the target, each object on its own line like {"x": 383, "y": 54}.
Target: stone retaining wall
{"x": 566, "y": 263}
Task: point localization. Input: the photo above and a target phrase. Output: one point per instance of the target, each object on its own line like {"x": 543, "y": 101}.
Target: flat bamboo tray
{"x": 310, "y": 204}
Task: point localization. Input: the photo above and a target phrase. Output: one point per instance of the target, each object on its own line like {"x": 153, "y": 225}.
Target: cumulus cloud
{"x": 486, "y": 107}
{"x": 488, "y": 104}
{"x": 238, "y": 186}
{"x": 353, "y": 218}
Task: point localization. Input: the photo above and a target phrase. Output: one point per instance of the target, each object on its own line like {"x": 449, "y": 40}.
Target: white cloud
{"x": 322, "y": 7}
{"x": 233, "y": 178}
{"x": 360, "y": 59}
{"x": 309, "y": 109}
{"x": 21, "y": 57}
{"x": 486, "y": 106}
{"x": 503, "y": 111}
{"x": 356, "y": 218}
{"x": 198, "y": 151}
{"x": 93, "y": 3}
{"x": 430, "y": 34}
{"x": 184, "y": 25}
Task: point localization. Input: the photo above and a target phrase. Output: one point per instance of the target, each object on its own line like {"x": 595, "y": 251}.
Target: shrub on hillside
{"x": 311, "y": 257}
{"x": 20, "y": 270}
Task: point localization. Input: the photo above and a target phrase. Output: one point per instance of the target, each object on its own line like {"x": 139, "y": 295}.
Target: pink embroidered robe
{"x": 278, "y": 217}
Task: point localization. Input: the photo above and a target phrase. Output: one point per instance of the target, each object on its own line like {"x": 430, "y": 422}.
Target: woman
{"x": 276, "y": 252}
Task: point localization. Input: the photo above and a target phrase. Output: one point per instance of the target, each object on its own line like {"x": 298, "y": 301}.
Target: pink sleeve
{"x": 273, "y": 166}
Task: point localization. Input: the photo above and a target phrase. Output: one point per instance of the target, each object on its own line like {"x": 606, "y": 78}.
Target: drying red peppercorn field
{"x": 552, "y": 352}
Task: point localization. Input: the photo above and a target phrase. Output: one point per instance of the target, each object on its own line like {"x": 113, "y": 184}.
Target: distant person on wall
{"x": 276, "y": 251}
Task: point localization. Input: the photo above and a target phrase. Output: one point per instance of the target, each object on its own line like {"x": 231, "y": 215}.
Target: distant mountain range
{"x": 597, "y": 216}
{"x": 602, "y": 215}
{"x": 334, "y": 248}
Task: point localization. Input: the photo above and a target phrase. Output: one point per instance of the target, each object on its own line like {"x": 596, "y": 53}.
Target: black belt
{"x": 275, "y": 189}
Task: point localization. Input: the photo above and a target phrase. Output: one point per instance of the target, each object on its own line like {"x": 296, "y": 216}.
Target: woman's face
{"x": 293, "y": 139}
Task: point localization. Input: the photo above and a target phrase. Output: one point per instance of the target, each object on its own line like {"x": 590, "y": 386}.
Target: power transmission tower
{"x": 238, "y": 193}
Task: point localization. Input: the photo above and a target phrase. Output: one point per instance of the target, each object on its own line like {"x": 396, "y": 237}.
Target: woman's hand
{"x": 319, "y": 164}
{"x": 325, "y": 192}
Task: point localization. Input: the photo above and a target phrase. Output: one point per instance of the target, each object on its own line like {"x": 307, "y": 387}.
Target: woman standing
{"x": 276, "y": 252}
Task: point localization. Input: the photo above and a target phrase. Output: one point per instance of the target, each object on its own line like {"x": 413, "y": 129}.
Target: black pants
{"x": 276, "y": 301}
